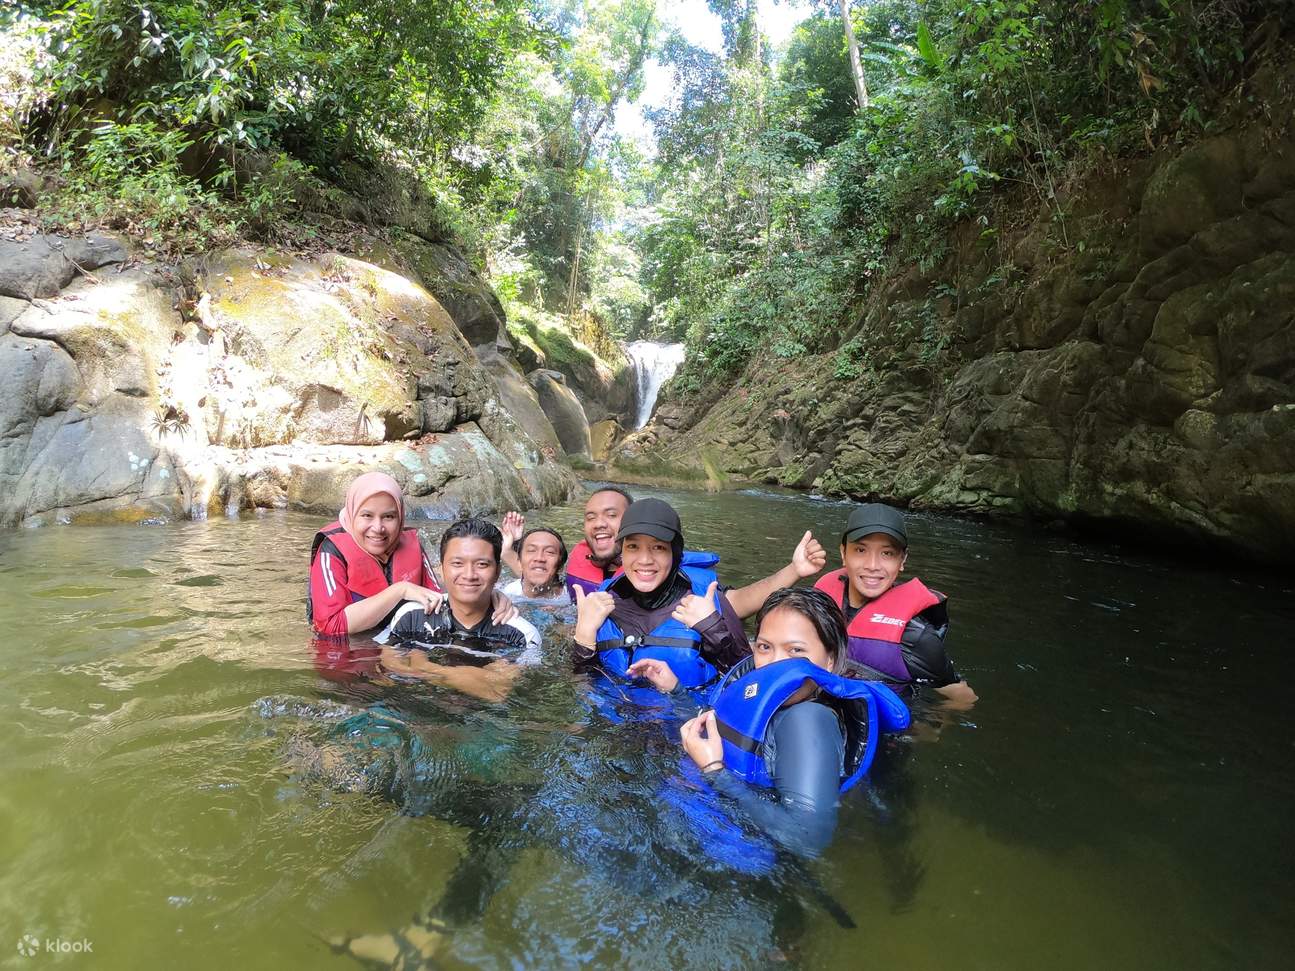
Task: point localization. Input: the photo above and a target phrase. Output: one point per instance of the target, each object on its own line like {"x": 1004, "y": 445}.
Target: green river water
{"x": 1119, "y": 798}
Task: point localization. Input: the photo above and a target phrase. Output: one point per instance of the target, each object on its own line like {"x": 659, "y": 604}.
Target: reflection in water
{"x": 1116, "y": 799}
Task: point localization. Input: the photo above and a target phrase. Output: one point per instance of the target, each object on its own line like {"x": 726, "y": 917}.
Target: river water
{"x": 1120, "y": 797}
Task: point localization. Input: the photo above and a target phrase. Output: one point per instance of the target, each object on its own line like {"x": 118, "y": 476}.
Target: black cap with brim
{"x": 875, "y": 517}
{"x": 652, "y": 517}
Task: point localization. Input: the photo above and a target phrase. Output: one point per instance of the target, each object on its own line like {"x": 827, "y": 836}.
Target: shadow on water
{"x": 1117, "y": 798}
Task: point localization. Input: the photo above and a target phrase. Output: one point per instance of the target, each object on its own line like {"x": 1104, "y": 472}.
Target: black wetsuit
{"x": 516, "y": 640}
{"x": 804, "y": 751}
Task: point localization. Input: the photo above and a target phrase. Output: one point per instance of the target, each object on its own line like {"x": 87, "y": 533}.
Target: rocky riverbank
{"x": 1125, "y": 360}
{"x": 252, "y": 378}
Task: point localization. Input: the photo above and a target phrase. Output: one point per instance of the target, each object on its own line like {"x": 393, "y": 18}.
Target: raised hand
{"x": 512, "y": 526}
{"x": 809, "y": 557}
{"x": 692, "y": 610}
{"x": 657, "y": 672}
{"x": 700, "y": 737}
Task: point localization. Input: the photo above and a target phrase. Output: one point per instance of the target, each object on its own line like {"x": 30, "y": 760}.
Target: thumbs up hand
{"x": 591, "y": 610}
{"x": 692, "y": 610}
{"x": 809, "y": 556}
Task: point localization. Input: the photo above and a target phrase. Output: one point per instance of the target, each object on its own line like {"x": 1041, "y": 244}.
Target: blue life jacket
{"x": 672, "y": 642}
{"x": 748, "y": 697}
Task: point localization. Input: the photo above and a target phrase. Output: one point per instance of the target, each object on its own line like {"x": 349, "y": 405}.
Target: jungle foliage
{"x": 774, "y": 197}
{"x": 203, "y": 120}
{"x": 782, "y": 199}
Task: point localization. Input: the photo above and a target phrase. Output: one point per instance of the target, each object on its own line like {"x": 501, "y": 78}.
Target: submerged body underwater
{"x": 1098, "y": 807}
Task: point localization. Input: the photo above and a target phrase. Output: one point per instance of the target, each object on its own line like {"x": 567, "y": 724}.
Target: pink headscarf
{"x": 361, "y": 491}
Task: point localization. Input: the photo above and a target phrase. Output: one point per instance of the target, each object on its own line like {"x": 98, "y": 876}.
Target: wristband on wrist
{"x": 713, "y": 766}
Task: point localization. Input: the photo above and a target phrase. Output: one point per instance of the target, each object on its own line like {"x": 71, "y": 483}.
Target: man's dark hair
{"x": 623, "y": 493}
{"x": 562, "y": 546}
{"x": 820, "y": 610}
{"x": 474, "y": 527}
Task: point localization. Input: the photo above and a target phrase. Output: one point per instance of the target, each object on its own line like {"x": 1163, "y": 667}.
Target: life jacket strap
{"x": 646, "y": 640}
{"x": 735, "y": 738}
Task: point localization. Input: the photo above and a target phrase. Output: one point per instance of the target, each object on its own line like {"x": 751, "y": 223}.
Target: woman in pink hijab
{"x": 366, "y": 564}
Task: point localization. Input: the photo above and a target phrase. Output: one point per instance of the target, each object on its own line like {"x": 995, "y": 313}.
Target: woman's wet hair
{"x": 820, "y": 610}
{"x": 474, "y": 527}
{"x": 562, "y": 546}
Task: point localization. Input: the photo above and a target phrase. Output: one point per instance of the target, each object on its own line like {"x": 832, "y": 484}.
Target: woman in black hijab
{"x": 661, "y": 598}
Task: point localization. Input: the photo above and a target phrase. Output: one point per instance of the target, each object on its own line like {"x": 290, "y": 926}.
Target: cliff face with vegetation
{"x": 1022, "y": 257}
{"x": 1139, "y": 374}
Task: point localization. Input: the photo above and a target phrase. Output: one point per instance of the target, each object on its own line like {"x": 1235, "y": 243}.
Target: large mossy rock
{"x": 469, "y": 300}
{"x": 335, "y": 352}
{"x": 564, "y": 411}
{"x": 519, "y": 399}
{"x": 1145, "y": 380}
{"x": 285, "y": 378}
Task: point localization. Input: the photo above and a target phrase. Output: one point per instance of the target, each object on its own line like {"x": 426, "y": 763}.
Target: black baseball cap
{"x": 875, "y": 517}
{"x": 653, "y": 517}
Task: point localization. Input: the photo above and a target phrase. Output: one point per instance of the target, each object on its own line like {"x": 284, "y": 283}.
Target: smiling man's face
{"x": 603, "y": 514}
{"x": 873, "y": 564}
{"x": 470, "y": 571}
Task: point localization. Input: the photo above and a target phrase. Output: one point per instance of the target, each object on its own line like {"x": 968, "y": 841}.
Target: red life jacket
{"x": 582, "y": 571}
{"x": 876, "y": 632}
{"x": 337, "y": 659}
{"x": 364, "y": 574}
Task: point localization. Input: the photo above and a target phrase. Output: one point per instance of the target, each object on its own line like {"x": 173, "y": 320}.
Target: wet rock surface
{"x": 563, "y": 410}
{"x": 266, "y": 381}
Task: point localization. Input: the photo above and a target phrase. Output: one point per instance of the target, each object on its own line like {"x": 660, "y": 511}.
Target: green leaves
{"x": 926, "y": 47}
{"x": 372, "y": 74}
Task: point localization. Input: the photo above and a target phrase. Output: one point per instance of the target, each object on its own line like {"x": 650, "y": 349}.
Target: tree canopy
{"x": 780, "y": 186}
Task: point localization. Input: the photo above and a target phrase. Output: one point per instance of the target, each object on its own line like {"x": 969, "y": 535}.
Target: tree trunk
{"x": 856, "y": 66}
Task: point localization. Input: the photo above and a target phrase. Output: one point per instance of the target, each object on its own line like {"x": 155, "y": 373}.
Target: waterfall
{"x": 654, "y": 364}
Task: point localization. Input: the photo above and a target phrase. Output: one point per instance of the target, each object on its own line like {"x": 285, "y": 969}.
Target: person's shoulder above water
{"x": 805, "y": 753}
{"x": 411, "y": 624}
{"x": 530, "y": 641}
{"x": 515, "y": 592}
